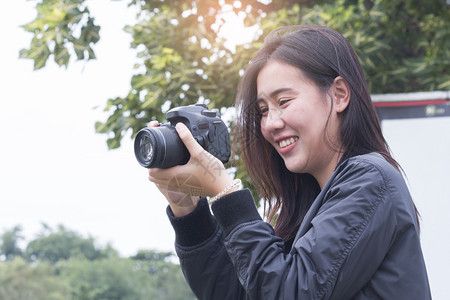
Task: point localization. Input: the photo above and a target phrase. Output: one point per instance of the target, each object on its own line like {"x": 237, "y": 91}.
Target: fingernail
{"x": 180, "y": 126}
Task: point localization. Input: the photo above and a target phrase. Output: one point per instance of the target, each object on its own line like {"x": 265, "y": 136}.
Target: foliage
{"x": 9, "y": 247}
{"x": 21, "y": 280}
{"x": 164, "y": 274}
{"x": 53, "y": 246}
{"x": 61, "y": 26}
{"x": 70, "y": 274}
{"x": 180, "y": 62}
{"x": 150, "y": 255}
{"x": 113, "y": 278}
{"x": 123, "y": 278}
{"x": 404, "y": 46}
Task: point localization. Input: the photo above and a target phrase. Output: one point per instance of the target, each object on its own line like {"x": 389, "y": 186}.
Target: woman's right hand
{"x": 180, "y": 202}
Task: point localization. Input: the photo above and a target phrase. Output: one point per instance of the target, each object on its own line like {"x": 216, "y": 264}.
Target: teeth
{"x": 287, "y": 142}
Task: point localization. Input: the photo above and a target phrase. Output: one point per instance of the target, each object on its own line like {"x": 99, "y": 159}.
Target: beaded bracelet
{"x": 235, "y": 183}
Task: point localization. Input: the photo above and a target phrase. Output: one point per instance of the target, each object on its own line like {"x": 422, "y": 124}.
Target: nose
{"x": 274, "y": 120}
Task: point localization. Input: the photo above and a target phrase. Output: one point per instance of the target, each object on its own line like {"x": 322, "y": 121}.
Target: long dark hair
{"x": 321, "y": 54}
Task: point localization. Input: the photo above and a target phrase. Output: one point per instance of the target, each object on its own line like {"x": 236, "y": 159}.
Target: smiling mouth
{"x": 287, "y": 142}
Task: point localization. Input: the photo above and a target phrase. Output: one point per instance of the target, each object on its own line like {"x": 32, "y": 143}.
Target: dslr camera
{"x": 161, "y": 147}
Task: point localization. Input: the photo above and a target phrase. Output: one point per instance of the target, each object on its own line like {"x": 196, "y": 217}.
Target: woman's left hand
{"x": 203, "y": 175}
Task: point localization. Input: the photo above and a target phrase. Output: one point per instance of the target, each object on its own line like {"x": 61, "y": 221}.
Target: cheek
{"x": 264, "y": 131}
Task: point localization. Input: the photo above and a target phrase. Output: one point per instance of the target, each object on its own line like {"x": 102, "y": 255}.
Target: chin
{"x": 295, "y": 168}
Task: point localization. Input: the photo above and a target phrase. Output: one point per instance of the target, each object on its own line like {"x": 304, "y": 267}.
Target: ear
{"x": 341, "y": 94}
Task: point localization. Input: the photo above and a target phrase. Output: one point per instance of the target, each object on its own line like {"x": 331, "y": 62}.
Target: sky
{"x": 55, "y": 169}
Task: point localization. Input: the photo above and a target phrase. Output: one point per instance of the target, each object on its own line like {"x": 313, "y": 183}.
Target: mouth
{"x": 287, "y": 142}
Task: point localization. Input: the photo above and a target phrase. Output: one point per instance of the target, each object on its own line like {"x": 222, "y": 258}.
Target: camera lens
{"x": 160, "y": 147}
{"x": 145, "y": 148}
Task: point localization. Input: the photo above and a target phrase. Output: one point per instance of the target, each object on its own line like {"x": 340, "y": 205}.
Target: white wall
{"x": 422, "y": 147}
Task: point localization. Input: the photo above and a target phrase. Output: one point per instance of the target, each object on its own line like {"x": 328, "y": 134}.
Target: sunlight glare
{"x": 230, "y": 26}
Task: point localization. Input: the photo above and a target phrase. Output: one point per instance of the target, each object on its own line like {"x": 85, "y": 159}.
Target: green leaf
{"x": 61, "y": 55}
{"x": 113, "y": 143}
{"x": 444, "y": 86}
{"x": 101, "y": 127}
{"x": 151, "y": 99}
{"x": 39, "y": 52}
{"x": 36, "y": 25}
{"x": 140, "y": 81}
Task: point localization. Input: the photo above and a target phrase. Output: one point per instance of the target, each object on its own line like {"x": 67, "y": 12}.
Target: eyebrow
{"x": 274, "y": 93}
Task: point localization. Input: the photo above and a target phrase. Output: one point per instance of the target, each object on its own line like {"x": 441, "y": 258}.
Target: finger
{"x": 186, "y": 136}
{"x": 159, "y": 175}
{"x": 162, "y": 187}
{"x": 153, "y": 124}
{"x": 156, "y": 180}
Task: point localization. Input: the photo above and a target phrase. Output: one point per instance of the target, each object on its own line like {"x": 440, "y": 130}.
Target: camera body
{"x": 161, "y": 147}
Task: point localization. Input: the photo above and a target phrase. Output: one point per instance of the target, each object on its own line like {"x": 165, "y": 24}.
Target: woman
{"x": 346, "y": 227}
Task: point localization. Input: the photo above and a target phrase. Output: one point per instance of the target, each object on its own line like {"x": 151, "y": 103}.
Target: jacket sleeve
{"x": 203, "y": 258}
{"x": 348, "y": 232}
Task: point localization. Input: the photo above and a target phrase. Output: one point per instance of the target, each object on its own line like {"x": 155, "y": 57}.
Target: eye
{"x": 263, "y": 110}
{"x": 283, "y": 101}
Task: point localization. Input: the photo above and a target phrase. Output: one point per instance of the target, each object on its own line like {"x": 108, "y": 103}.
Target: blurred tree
{"x": 69, "y": 272}
{"x": 404, "y": 46}
{"x": 20, "y": 281}
{"x": 9, "y": 247}
{"x": 147, "y": 275}
{"x": 167, "y": 278}
{"x": 63, "y": 244}
{"x": 151, "y": 255}
{"x": 112, "y": 278}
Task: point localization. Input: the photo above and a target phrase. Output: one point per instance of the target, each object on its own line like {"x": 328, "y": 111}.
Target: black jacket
{"x": 359, "y": 240}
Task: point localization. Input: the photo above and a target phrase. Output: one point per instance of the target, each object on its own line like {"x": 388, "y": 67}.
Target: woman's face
{"x": 294, "y": 117}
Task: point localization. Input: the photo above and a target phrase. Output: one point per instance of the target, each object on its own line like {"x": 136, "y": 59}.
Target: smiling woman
{"x": 346, "y": 226}
{"x": 307, "y": 144}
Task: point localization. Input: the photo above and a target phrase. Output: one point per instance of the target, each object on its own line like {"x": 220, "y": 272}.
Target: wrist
{"x": 231, "y": 187}
{"x": 184, "y": 208}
